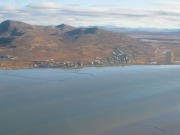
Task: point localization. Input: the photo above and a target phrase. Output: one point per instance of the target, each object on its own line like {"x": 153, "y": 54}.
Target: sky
{"x": 121, "y": 13}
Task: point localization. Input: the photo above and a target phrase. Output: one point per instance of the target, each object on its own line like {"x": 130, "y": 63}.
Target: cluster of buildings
{"x": 118, "y": 57}
{"x": 6, "y": 57}
{"x": 54, "y": 64}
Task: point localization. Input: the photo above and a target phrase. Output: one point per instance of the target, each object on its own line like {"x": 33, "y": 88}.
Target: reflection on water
{"x": 133, "y": 100}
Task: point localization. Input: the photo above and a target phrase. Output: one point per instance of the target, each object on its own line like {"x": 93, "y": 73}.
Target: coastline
{"x": 81, "y": 67}
{"x": 18, "y": 65}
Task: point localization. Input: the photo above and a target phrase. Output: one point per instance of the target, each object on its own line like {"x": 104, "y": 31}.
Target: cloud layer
{"x": 166, "y": 15}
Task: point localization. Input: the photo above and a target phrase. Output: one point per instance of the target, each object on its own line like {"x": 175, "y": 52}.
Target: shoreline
{"x": 85, "y": 66}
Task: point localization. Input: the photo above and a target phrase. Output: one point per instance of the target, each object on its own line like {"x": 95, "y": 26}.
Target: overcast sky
{"x": 122, "y": 13}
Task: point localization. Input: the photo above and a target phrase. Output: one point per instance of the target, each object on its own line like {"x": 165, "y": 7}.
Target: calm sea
{"x": 132, "y": 100}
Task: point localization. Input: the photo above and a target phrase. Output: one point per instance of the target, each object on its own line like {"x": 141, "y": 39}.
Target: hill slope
{"x": 30, "y": 43}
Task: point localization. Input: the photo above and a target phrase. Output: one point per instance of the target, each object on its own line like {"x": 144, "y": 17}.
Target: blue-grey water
{"x": 132, "y": 100}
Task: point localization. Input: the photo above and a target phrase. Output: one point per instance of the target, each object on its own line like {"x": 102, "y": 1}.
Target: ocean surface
{"x": 130, "y": 100}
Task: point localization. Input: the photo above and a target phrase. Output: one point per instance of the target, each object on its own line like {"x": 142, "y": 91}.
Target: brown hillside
{"x": 66, "y": 43}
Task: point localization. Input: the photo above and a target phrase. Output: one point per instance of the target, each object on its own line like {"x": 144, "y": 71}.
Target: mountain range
{"x": 34, "y": 43}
